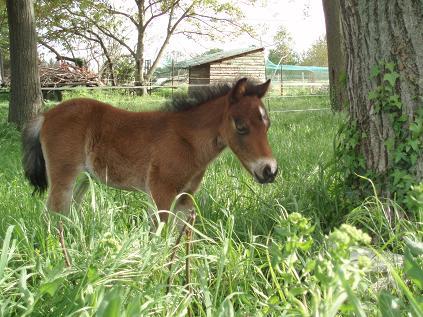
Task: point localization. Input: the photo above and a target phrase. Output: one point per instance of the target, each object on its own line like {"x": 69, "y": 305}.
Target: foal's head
{"x": 245, "y": 128}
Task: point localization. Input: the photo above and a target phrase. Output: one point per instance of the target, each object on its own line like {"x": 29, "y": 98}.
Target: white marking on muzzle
{"x": 257, "y": 167}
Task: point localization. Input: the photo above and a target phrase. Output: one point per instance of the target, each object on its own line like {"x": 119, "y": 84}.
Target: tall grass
{"x": 276, "y": 250}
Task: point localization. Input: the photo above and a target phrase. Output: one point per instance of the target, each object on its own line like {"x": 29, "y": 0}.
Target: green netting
{"x": 296, "y": 72}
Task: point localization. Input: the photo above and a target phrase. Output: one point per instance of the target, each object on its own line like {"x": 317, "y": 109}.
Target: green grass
{"x": 258, "y": 250}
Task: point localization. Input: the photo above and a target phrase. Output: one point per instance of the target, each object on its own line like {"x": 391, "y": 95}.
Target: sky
{"x": 304, "y": 19}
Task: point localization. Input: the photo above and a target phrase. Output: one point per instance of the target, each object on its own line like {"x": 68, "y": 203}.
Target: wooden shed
{"x": 227, "y": 66}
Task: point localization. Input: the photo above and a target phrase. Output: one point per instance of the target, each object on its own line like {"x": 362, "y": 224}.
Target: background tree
{"x": 211, "y": 51}
{"x": 283, "y": 52}
{"x": 105, "y": 19}
{"x": 317, "y": 54}
{"x": 4, "y": 42}
{"x": 60, "y": 27}
{"x": 384, "y": 140}
{"x": 25, "y": 90}
{"x": 336, "y": 58}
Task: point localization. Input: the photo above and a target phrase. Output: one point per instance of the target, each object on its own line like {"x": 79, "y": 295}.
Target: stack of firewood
{"x": 65, "y": 74}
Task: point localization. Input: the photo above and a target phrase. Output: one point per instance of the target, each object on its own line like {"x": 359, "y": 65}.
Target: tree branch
{"x": 59, "y": 56}
{"x": 116, "y": 12}
{"x": 170, "y": 31}
{"x": 105, "y": 32}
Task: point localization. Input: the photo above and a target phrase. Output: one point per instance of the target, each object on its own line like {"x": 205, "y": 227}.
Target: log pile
{"x": 64, "y": 74}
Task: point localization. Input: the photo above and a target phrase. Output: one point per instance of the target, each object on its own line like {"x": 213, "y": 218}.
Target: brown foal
{"x": 163, "y": 153}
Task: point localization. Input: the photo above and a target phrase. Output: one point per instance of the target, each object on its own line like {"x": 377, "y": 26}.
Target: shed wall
{"x": 249, "y": 65}
{"x": 199, "y": 75}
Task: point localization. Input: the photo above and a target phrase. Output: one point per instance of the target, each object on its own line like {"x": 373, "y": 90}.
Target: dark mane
{"x": 202, "y": 94}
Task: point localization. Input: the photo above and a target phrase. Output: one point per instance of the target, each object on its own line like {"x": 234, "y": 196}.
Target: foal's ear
{"x": 238, "y": 91}
{"x": 262, "y": 89}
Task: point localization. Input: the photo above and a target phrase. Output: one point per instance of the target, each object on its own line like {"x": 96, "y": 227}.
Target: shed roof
{"x": 217, "y": 57}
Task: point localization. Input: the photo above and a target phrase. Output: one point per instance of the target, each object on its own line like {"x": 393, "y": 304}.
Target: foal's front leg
{"x": 164, "y": 192}
{"x": 163, "y": 195}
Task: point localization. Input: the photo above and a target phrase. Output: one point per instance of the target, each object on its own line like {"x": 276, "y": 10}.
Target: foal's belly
{"x": 121, "y": 175}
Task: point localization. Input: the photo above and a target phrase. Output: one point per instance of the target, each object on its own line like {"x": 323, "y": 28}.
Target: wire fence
{"x": 297, "y": 98}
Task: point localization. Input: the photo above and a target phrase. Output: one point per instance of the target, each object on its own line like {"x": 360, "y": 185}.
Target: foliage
{"x": 404, "y": 146}
{"x": 283, "y": 53}
{"x": 257, "y": 250}
{"x": 124, "y": 69}
{"x": 211, "y": 51}
{"x": 317, "y": 54}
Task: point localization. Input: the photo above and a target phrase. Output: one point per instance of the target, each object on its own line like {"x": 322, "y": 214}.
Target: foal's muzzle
{"x": 264, "y": 170}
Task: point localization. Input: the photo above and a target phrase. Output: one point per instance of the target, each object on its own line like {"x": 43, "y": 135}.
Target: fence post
{"x": 173, "y": 72}
{"x": 281, "y": 82}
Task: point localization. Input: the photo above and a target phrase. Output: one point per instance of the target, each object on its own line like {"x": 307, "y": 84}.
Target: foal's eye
{"x": 240, "y": 126}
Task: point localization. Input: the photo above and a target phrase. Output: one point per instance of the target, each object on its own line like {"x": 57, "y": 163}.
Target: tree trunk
{"x": 139, "y": 59}
{"x": 25, "y": 96}
{"x": 139, "y": 64}
{"x": 112, "y": 72}
{"x": 1, "y": 69}
{"x": 336, "y": 56}
{"x": 158, "y": 57}
{"x": 387, "y": 33}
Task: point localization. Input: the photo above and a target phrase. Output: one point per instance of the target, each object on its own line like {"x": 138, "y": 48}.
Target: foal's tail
{"x": 33, "y": 159}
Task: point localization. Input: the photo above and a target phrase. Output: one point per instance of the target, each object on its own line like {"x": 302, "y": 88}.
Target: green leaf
{"x": 391, "y": 78}
{"x": 402, "y": 118}
{"x": 375, "y": 71}
{"x": 92, "y": 274}
{"x": 413, "y": 159}
{"x": 110, "y": 305}
{"x": 390, "y": 67}
{"x": 416, "y": 129}
{"x": 275, "y": 254}
{"x": 373, "y": 95}
{"x": 273, "y": 300}
{"x": 399, "y": 156}
{"x": 52, "y": 286}
{"x": 398, "y": 176}
{"x": 23, "y": 287}
{"x": 413, "y": 270}
{"x": 354, "y": 300}
{"x": 389, "y": 305}
{"x": 6, "y": 251}
{"x": 415, "y": 247}
{"x": 389, "y": 143}
{"x": 414, "y": 144}
{"x": 295, "y": 291}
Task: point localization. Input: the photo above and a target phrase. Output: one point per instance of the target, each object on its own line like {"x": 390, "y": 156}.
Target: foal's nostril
{"x": 268, "y": 175}
{"x": 267, "y": 172}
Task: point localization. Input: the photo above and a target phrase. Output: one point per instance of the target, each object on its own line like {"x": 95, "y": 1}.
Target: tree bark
{"x": 25, "y": 89}
{"x": 377, "y": 32}
{"x": 139, "y": 59}
{"x": 336, "y": 55}
{"x": 1, "y": 68}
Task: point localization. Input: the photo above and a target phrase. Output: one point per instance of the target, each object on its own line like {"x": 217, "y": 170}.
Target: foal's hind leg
{"x": 80, "y": 189}
{"x": 62, "y": 181}
{"x": 60, "y": 197}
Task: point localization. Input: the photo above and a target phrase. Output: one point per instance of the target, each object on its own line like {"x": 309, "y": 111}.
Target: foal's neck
{"x": 200, "y": 126}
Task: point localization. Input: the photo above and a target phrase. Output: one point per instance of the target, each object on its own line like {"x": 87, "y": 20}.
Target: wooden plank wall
{"x": 199, "y": 75}
{"x": 250, "y": 65}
